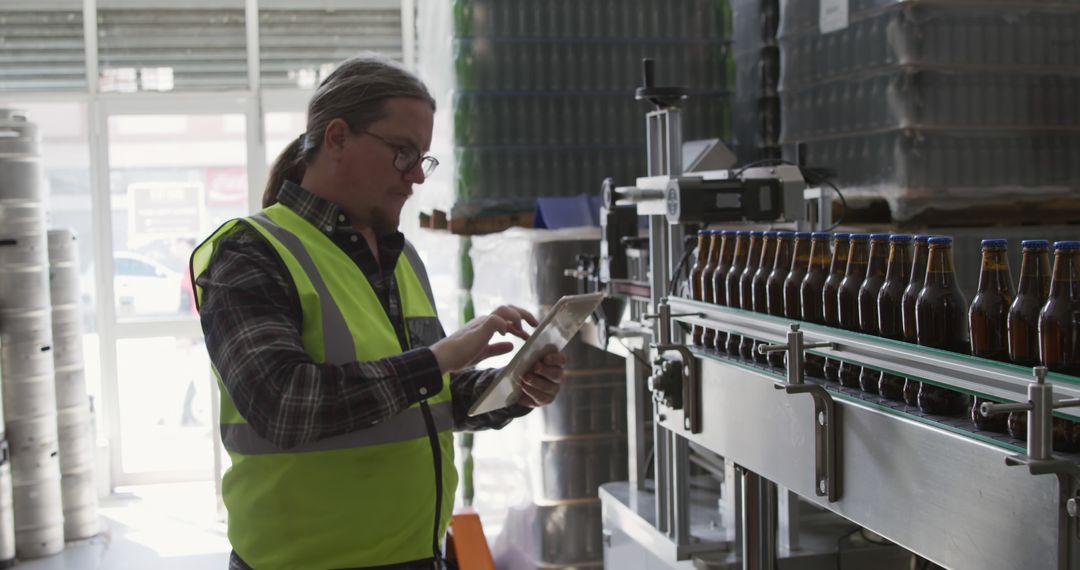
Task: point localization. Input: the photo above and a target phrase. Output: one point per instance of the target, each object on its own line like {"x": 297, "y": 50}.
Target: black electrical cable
{"x": 675, "y": 275}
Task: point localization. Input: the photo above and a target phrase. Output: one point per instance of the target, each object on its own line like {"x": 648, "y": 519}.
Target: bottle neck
{"x": 879, "y": 259}
{"x": 727, "y": 251}
{"x": 840, "y": 257}
{"x": 1034, "y": 273}
{"x": 819, "y": 254}
{"x": 715, "y": 245}
{"x": 782, "y": 258}
{"x": 753, "y": 257}
{"x": 702, "y": 249}
{"x": 939, "y": 266}
{"x": 919, "y": 257}
{"x": 1065, "y": 283}
{"x": 994, "y": 275}
{"x": 899, "y": 263}
{"x": 768, "y": 253}
{"x": 857, "y": 258}
{"x": 739, "y": 257}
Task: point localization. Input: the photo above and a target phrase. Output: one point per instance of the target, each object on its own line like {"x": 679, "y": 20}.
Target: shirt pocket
{"x": 424, "y": 331}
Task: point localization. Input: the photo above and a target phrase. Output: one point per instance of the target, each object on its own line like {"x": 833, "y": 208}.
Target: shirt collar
{"x": 318, "y": 212}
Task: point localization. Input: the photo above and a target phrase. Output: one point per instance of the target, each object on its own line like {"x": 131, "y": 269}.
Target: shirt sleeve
{"x": 466, "y": 387}
{"x": 251, "y": 320}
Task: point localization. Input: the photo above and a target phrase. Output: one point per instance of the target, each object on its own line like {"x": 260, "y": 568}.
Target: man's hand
{"x": 471, "y": 344}
{"x": 541, "y": 384}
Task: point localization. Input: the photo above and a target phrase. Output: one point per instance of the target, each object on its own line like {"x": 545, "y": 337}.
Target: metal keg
{"x": 76, "y": 436}
{"x": 20, "y": 326}
{"x": 20, "y": 164}
{"x": 70, "y": 387}
{"x": 25, "y": 287}
{"x": 39, "y": 518}
{"x": 33, "y": 463}
{"x": 29, "y": 397}
{"x": 80, "y": 498}
{"x": 67, "y": 336}
{"x": 7, "y": 509}
{"x": 26, "y": 359}
{"x": 31, "y": 432}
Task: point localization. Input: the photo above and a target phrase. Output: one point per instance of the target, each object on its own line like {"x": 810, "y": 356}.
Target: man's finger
{"x": 538, "y": 385}
{"x": 529, "y": 318}
{"x": 555, "y": 359}
{"x": 551, "y": 373}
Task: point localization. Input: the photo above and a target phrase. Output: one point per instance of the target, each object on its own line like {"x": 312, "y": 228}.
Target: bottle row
{"x": 530, "y": 172}
{"x": 592, "y": 18}
{"x": 902, "y": 288}
{"x": 804, "y": 16}
{"x": 952, "y": 159}
{"x": 919, "y": 98}
{"x": 492, "y": 118}
{"x": 1007, "y": 38}
{"x": 590, "y": 65}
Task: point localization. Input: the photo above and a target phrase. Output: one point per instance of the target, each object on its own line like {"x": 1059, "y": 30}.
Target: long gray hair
{"x": 357, "y": 92}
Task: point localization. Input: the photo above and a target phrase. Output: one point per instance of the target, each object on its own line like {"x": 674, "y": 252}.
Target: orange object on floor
{"x": 466, "y": 544}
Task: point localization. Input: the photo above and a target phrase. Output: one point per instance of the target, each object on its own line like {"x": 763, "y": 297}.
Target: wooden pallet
{"x": 471, "y": 226}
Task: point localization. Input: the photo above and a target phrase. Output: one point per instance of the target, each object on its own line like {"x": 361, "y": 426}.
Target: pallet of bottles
{"x": 904, "y": 288}
{"x": 756, "y": 107}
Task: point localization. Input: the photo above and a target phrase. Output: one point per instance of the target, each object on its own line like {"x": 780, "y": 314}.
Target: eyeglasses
{"x": 408, "y": 156}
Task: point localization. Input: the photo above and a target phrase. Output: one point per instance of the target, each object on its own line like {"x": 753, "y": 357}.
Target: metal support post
{"x": 660, "y": 475}
{"x": 638, "y": 411}
{"x": 680, "y": 490}
{"x": 758, "y": 522}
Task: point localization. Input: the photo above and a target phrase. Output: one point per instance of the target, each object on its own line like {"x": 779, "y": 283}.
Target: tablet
{"x": 552, "y": 334}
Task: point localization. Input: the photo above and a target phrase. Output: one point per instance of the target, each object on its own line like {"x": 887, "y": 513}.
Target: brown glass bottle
{"x": 1059, "y": 333}
{"x": 941, "y": 322}
{"x": 847, "y": 299}
{"x": 810, "y": 306}
{"x": 761, "y": 278}
{"x": 890, "y": 319}
{"x": 800, "y": 263}
{"x": 720, "y": 281}
{"x": 837, "y": 267}
{"x": 988, "y": 320}
{"x": 774, "y": 285}
{"x": 716, "y": 239}
{"x": 876, "y": 268}
{"x": 731, "y": 287}
{"x": 696, "y": 291}
{"x": 907, "y": 308}
{"x": 1023, "y": 320}
{"x": 746, "y": 287}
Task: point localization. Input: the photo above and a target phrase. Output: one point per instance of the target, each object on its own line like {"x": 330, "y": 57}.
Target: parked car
{"x": 142, "y": 286}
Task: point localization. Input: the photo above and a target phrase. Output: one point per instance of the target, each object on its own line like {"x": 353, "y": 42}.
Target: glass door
{"x": 176, "y": 169}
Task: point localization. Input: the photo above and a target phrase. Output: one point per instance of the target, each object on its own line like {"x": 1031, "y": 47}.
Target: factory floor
{"x": 159, "y": 527}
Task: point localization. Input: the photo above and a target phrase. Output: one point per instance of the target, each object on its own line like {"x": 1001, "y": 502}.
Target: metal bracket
{"x": 691, "y": 386}
{"x": 1039, "y": 458}
{"x": 827, "y": 452}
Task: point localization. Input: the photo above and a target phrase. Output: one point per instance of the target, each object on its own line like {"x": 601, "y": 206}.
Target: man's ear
{"x": 337, "y": 131}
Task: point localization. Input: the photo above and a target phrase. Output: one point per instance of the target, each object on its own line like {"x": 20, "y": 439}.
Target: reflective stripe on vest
{"x": 406, "y": 425}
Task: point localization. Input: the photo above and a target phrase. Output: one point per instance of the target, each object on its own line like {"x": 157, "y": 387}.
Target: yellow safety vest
{"x": 377, "y": 496}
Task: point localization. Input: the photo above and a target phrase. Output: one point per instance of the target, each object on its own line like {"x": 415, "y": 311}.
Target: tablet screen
{"x": 552, "y": 334}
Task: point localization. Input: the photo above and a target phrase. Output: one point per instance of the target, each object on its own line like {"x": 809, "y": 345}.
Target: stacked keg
{"x": 26, "y": 360}
{"x": 75, "y": 424}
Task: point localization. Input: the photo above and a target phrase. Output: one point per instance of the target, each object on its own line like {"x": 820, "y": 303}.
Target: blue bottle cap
{"x": 785, "y": 234}
{"x": 727, "y": 232}
{"x": 1066, "y": 245}
{"x": 922, "y": 238}
{"x": 771, "y": 234}
{"x": 757, "y": 233}
{"x": 900, "y": 238}
{"x": 821, "y": 235}
{"x": 704, "y": 232}
{"x": 743, "y": 233}
{"x": 941, "y": 240}
{"x": 879, "y": 237}
{"x": 995, "y": 243}
{"x": 1035, "y": 243}
{"x": 803, "y": 235}
{"x": 842, "y": 235}
{"x": 860, "y": 237}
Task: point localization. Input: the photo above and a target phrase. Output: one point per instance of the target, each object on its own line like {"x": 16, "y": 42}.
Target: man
{"x": 340, "y": 392}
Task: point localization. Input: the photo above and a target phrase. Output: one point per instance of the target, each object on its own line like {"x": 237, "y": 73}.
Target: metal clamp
{"x": 691, "y": 385}
{"x": 1040, "y": 442}
{"x": 1039, "y": 408}
{"x": 827, "y": 452}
